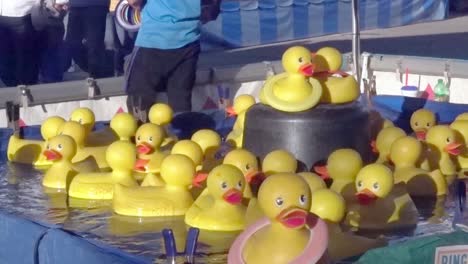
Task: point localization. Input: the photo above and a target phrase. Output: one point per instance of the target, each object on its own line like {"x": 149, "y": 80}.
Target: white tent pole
{"x": 356, "y": 41}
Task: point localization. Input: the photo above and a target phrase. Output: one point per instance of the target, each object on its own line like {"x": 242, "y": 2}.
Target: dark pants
{"x": 52, "y": 58}
{"x": 123, "y": 44}
{"x": 155, "y": 70}
{"x": 18, "y": 52}
{"x": 87, "y": 24}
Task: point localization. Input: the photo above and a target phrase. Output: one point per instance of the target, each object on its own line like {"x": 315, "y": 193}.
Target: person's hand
{"x": 135, "y": 3}
{"x": 61, "y": 7}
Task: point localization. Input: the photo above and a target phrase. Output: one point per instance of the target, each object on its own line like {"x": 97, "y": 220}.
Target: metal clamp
{"x": 399, "y": 70}
{"x": 270, "y": 71}
{"x": 93, "y": 89}
{"x": 447, "y": 75}
{"x": 13, "y": 115}
{"x": 25, "y": 95}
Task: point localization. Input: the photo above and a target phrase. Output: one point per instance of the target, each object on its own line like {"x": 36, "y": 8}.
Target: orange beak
{"x": 293, "y": 217}
{"x": 233, "y": 196}
{"x": 199, "y": 178}
{"x": 144, "y": 148}
{"x": 140, "y": 164}
{"x": 366, "y": 197}
{"x": 421, "y": 134}
{"x": 453, "y": 149}
{"x": 307, "y": 69}
{"x": 322, "y": 171}
{"x": 52, "y": 155}
{"x": 373, "y": 145}
{"x": 230, "y": 111}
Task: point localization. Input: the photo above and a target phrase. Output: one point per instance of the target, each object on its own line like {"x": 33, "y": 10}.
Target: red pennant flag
{"x": 209, "y": 104}
{"x": 120, "y": 110}
{"x": 21, "y": 123}
{"x": 428, "y": 93}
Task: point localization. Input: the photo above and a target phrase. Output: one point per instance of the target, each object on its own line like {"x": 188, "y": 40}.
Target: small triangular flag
{"x": 209, "y": 104}
{"x": 21, "y": 123}
{"x": 428, "y": 93}
{"x": 120, "y": 110}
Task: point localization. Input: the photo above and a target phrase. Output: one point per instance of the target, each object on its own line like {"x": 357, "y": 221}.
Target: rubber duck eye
{"x": 302, "y": 199}
{"x": 428, "y": 124}
{"x": 150, "y": 139}
{"x": 416, "y": 123}
{"x": 247, "y": 167}
{"x": 301, "y": 60}
{"x": 138, "y": 138}
{"x": 359, "y": 184}
{"x": 223, "y": 185}
{"x": 239, "y": 184}
{"x": 448, "y": 140}
{"x": 279, "y": 201}
{"x": 375, "y": 186}
{"x": 59, "y": 146}
{"x": 48, "y": 146}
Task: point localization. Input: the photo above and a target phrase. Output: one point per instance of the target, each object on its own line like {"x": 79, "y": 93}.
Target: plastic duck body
{"x": 405, "y": 153}
{"x": 124, "y": 126}
{"x": 379, "y": 204}
{"x": 172, "y": 199}
{"x": 293, "y": 91}
{"x": 121, "y": 156}
{"x": 190, "y": 149}
{"x": 421, "y": 121}
{"x": 210, "y": 142}
{"x": 314, "y": 181}
{"x": 225, "y": 186}
{"x": 60, "y": 150}
{"x": 241, "y": 104}
{"x": 30, "y": 151}
{"x": 384, "y": 141}
{"x": 336, "y": 90}
{"x": 442, "y": 144}
{"x": 461, "y": 128}
{"x": 283, "y": 236}
{"x": 86, "y": 118}
{"x": 247, "y": 163}
{"x": 161, "y": 115}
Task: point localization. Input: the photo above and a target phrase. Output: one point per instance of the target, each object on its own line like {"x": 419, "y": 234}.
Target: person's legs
{"x": 95, "y": 29}
{"x": 51, "y": 59}
{"x": 75, "y": 35}
{"x": 7, "y": 58}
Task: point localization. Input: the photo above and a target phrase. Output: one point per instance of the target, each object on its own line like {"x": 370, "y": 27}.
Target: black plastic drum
{"x": 310, "y": 135}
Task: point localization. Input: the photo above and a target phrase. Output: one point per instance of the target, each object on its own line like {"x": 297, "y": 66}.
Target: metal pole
{"x": 356, "y": 41}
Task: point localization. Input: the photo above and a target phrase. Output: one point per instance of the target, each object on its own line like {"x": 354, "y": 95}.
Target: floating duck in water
{"x": 442, "y": 145}
{"x": 246, "y": 162}
{"x": 241, "y": 104}
{"x": 28, "y": 151}
{"x": 225, "y": 185}
{"x": 288, "y": 233}
{"x": 210, "y": 142}
{"x": 421, "y": 121}
{"x": 460, "y": 125}
{"x": 87, "y": 119}
{"x": 148, "y": 139}
{"x": 405, "y": 153}
{"x": 124, "y": 126}
{"x": 342, "y": 167}
{"x": 314, "y": 181}
{"x": 172, "y": 199}
{"x": 121, "y": 157}
{"x": 294, "y": 90}
{"x": 377, "y": 123}
{"x": 336, "y": 89}
{"x": 380, "y": 205}
{"x": 161, "y": 115}
{"x": 384, "y": 141}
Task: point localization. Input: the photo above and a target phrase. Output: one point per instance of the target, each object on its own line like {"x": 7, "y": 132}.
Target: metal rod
{"x": 356, "y": 41}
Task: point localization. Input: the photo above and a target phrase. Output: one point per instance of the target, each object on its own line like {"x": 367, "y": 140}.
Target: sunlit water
{"x": 22, "y": 194}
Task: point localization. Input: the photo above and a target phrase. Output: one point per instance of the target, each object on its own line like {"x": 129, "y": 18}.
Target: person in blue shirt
{"x": 166, "y": 54}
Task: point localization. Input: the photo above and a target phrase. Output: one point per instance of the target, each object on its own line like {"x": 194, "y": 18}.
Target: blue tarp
{"x": 255, "y": 22}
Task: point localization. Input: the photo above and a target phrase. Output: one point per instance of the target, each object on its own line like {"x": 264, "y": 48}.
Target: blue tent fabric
{"x": 255, "y": 22}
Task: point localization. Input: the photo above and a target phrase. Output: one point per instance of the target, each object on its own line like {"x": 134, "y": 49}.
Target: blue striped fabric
{"x": 245, "y": 23}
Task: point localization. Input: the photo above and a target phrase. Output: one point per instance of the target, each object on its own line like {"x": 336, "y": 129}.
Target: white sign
{"x": 451, "y": 255}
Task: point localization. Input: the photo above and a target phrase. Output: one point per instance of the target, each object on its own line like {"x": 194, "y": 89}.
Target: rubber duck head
{"x": 279, "y": 161}
{"x": 384, "y": 142}
{"x": 61, "y": 147}
{"x": 85, "y": 117}
{"x": 241, "y": 104}
{"x": 341, "y": 164}
{"x": 50, "y": 127}
{"x": 74, "y": 130}
{"x": 285, "y": 199}
{"x": 328, "y": 205}
{"x": 177, "y": 170}
{"x": 297, "y": 60}
{"x": 314, "y": 181}
{"x": 149, "y": 138}
{"x": 327, "y": 59}
{"x": 160, "y": 114}
{"x": 245, "y": 161}
{"x": 405, "y": 151}
{"x": 124, "y": 126}
{"x": 226, "y": 182}
{"x": 121, "y": 155}
{"x": 444, "y": 139}
{"x": 374, "y": 181}
{"x": 208, "y": 140}
{"x": 421, "y": 120}
{"x": 462, "y": 117}
{"x": 190, "y": 149}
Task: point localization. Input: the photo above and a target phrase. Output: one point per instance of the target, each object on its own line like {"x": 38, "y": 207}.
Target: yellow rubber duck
{"x": 421, "y": 120}
{"x": 384, "y": 141}
{"x": 124, "y": 126}
{"x": 460, "y": 126}
{"x": 60, "y": 150}
{"x": 190, "y": 149}
{"x": 331, "y": 207}
{"x": 210, "y": 142}
{"x": 245, "y": 161}
{"x": 342, "y": 167}
{"x": 405, "y": 153}
{"x": 28, "y": 151}
{"x": 336, "y": 90}
{"x": 377, "y": 123}
{"x": 380, "y": 205}
{"x": 170, "y": 200}
{"x": 121, "y": 156}
{"x": 442, "y": 144}
{"x": 241, "y": 104}
{"x": 87, "y": 119}
{"x": 162, "y": 115}
{"x": 148, "y": 139}
{"x": 284, "y": 235}
{"x": 225, "y": 186}
{"x": 314, "y": 181}
{"x": 294, "y": 90}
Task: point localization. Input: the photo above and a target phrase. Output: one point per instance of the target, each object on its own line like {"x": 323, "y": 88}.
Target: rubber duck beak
{"x": 373, "y": 145}
{"x": 140, "y": 164}
{"x": 322, "y": 171}
{"x": 52, "y": 155}
{"x": 230, "y": 111}
{"x": 199, "y": 178}
{"x": 250, "y": 175}
{"x": 453, "y": 149}
{"x": 366, "y": 197}
{"x": 144, "y": 148}
{"x": 421, "y": 134}
{"x": 233, "y": 196}
{"x": 307, "y": 69}
{"x": 293, "y": 217}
